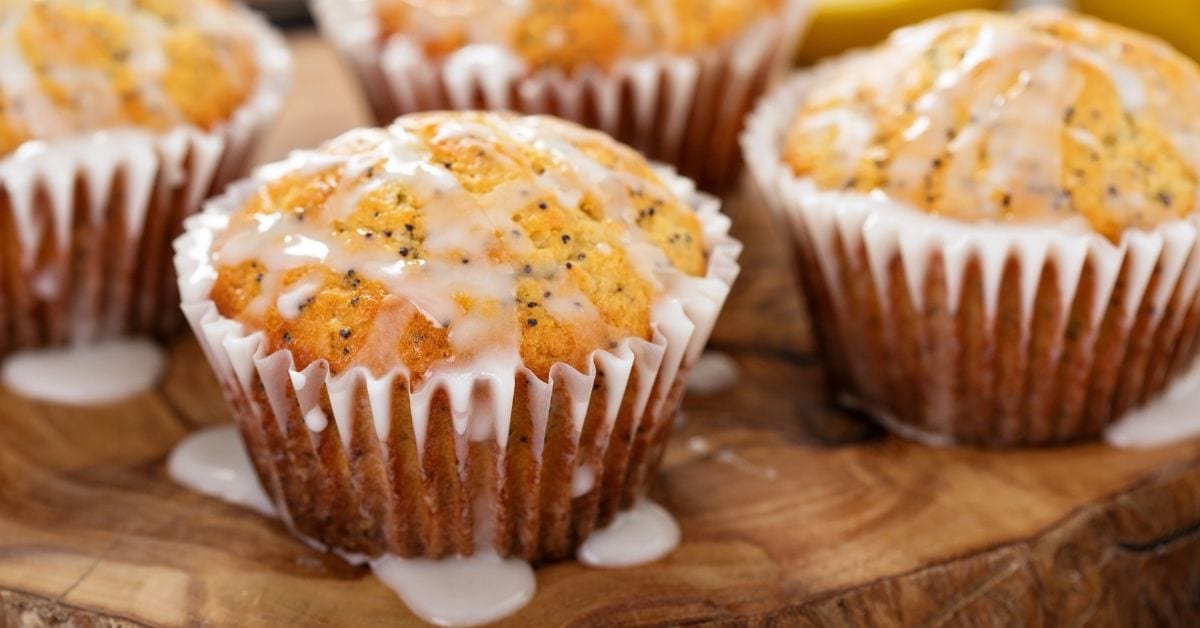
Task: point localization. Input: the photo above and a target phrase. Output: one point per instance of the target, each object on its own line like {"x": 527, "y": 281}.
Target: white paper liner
{"x": 851, "y": 237}
{"x": 682, "y": 109}
{"x": 131, "y": 189}
{"x": 644, "y": 377}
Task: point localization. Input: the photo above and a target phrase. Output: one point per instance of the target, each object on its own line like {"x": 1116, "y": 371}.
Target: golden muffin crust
{"x": 455, "y": 237}
{"x": 569, "y": 34}
{"x": 1042, "y": 115}
{"x": 75, "y": 66}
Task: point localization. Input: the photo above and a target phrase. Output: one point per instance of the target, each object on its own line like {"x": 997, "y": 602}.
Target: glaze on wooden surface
{"x": 854, "y": 528}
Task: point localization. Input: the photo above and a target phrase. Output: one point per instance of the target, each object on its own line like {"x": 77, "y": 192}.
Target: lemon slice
{"x": 1177, "y": 21}
{"x": 839, "y": 25}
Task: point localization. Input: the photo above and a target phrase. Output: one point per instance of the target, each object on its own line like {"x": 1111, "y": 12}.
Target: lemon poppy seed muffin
{"x": 672, "y": 78}
{"x": 76, "y": 66}
{"x": 1076, "y": 118}
{"x": 516, "y": 296}
{"x": 995, "y": 217}
{"x": 117, "y": 118}
{"x": 570, "y": 34}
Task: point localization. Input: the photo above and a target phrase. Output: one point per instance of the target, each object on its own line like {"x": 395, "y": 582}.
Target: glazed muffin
{"x": 116, "y": 120}
{"x": 464, "y": 331}
{"x": 995, "y": 218}
{"x": 674, "y": 79}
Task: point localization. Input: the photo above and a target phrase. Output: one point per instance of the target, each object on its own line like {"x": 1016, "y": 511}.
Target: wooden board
{"x": 823, "y": 521}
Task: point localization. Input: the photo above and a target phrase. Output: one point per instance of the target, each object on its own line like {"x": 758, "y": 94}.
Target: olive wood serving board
{"x": 819, "y": 519}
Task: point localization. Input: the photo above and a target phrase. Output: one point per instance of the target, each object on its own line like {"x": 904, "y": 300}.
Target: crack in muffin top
{"x": 569, "y": 34}
{"x": 449, "y": 238}
{"x": 75, "y": 66}
{"x": 1038, "y": 116}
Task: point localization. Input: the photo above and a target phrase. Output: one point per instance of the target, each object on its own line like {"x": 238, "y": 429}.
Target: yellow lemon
{"x": 1177, "y": 21}
{"x": 839, "y": 25}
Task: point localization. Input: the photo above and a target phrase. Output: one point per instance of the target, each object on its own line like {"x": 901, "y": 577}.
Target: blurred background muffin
{"x": 996, "y": 220}
{"x": 673, "y": 79}
{"x": 515, "y": 297}
{"x": 117, "y": 119}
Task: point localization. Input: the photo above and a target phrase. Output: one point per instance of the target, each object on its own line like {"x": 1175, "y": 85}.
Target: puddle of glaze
{"x": 643, "y": 534}
{"x": 213, "y": 461}
{"x": 459, "y": 591}
{"x": 1173, "y": 416}
{"x": 714, "y": 372}
{"x": 86, "y": 374}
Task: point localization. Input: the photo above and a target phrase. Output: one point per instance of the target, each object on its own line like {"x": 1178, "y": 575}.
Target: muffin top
{"x": 74, "y": 66}
{"x": 1037, "y": 116}
{"x": 568, "y": 34}
{"x": 450, "y": 238}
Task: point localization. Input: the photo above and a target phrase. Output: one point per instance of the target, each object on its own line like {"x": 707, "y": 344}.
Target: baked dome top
{"x": 1038, "y": 116}
{"x": 449, "y": 238}
{"x": 75, "y": 66}
{"x": 572, "y": 33}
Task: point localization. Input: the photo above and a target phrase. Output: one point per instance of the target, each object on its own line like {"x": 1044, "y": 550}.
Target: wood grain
{"x": 855, "y": 528}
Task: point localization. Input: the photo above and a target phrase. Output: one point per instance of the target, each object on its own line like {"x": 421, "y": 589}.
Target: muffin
{"x": 116, "y": 120}
{"x": 995, "y": 219}
{"x": 467, "y": 330}
{"x": 674, "y": 79}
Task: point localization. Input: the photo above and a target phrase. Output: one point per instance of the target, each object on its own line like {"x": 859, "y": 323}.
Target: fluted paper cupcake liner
{"x": 86, "y": 223}
{"x": 683, "y": 109}
{"x": 490, "y": 456}
{"x": 994, "y": 334}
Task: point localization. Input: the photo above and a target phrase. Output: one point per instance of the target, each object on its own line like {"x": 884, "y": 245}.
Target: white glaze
{"x": 713, "y": 373}
{"x": 1172, "y": 417}
{"x": 458, "y": 591}
{"x": 643, "y": 534}
{"x": 291, "y": 302}
{"x": 213, "y": 461}
{"x": 87, "y": 374}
